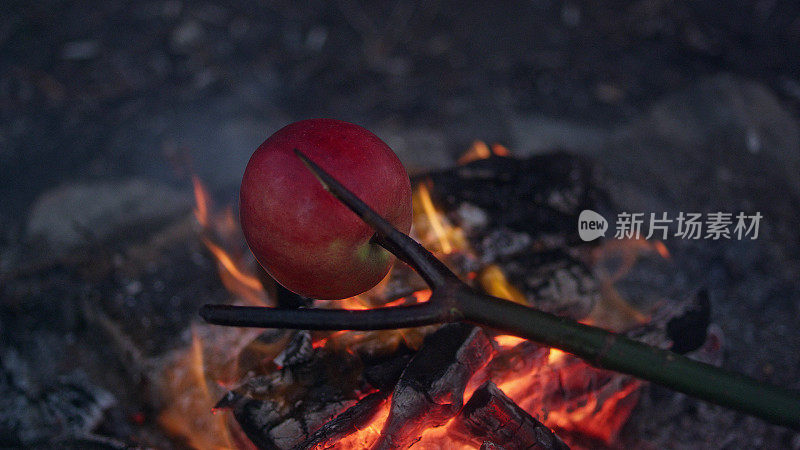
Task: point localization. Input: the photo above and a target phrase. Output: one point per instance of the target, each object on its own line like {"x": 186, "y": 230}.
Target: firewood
{"x": 490, "y": 416}
{"x": 431, "y": 388}
{"x": 349, "y": 421}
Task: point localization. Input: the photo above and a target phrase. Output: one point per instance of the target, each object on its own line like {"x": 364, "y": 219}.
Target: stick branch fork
{"x": 453, "y": 300}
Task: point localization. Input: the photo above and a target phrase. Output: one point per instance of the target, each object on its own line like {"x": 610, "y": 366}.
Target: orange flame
{"x": 500, "y": 150}
{"x": 434, "y": 219}
{"x": 661, "y": 249}
{"x": 189, "y": 414}
{"x": 432, "y": 227}
{"x": 479, "y": 150}
{"x": 494, "y": 282}
{"x": 202, "y": 200}
{"x": 555, "y": 356}
{"x": 245, "y": 286}
{"x": 234, "y": 272}
{"x": 628, "y": 251}
{"x": 505, "y": 340}
{"x": 228, "y": 265}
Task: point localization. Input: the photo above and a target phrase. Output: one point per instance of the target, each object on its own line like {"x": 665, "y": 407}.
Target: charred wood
{"x": 491, "y": 417}
{"x": 347, "y": 422}
{"x": 430, "y": 390}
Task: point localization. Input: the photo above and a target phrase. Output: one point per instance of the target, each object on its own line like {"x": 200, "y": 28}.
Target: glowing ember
{"x": 593, "y": 403}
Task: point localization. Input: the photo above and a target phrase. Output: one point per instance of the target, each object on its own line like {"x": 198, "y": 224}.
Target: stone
{"x": 711, "y": 145}
{"x": 536, "y": 134}
{"x": 79, "y": 214}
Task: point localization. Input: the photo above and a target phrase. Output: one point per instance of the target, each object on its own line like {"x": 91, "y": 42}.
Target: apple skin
{"x": 300, "y": 233}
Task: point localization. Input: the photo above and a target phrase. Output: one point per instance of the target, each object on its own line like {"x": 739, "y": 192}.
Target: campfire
{"x": 267, "y": 225}
{"x": 450, "y": 386}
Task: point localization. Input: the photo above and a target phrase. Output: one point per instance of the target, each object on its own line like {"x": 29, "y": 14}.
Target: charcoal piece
{"x": 502, "y": 243}
{"x": 490, "y": 416}
{"x": 349, "y": 421}
{"x": 299, "y": 350}
{"x": 268, "y": 428}
{"x": 384, "y": 376}
{"x": 689, "y": 330}
{"x": 681, "y": 326}
{"x": 541, "y": 195}
{"x": 281, "y": 409}
{"x": 254, "y": 417}
{"x": 526, "y": 204}
{"x": 431, "y": 389}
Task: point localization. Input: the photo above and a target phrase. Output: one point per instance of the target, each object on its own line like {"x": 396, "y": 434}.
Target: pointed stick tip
{"x": 313, "y": 167}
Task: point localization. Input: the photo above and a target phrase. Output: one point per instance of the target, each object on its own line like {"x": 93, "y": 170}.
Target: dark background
{"x": 107, "y": 107}
{"x": 101, "y": 89}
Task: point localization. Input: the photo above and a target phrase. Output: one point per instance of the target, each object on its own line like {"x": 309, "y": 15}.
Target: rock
{"x": 74, "y": 215}
{"x": 711, "y": 145}
{"x": 80, "y": 50}
{"x": 537, "y": 134}
{"x": 746, "y": 109}
{"x": 186, "y": 36}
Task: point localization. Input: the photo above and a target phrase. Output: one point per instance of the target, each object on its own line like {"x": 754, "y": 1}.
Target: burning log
{"x": 347, "y": 422}
{"x": 491, "y": 417}
{"x": 268, "y": 424}
{"x": 431, "y": 389}
{"x": 282, "y": 409}
{"x": 383, "y": 376}
{"x": 244, "y": 409}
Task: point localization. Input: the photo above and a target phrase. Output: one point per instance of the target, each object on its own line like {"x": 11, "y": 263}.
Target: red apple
{"x": 299, "y": 232}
